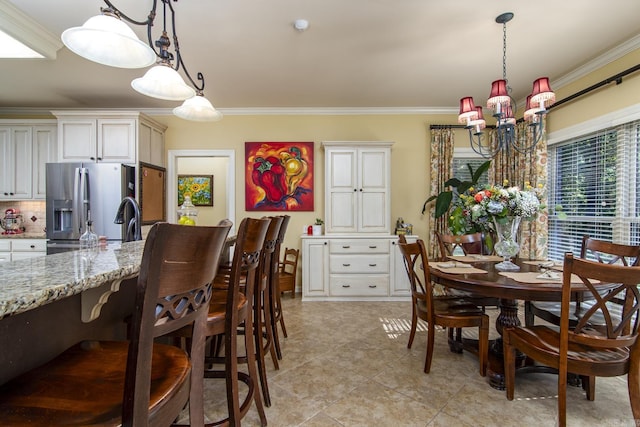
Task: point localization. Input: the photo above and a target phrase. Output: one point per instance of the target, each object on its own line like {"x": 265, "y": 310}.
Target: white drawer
{"x": 359, "y": 246}
{"x": 367, "y": 264}
{"x": 5, "y": 256}
{"x": 350, "y": 285}
{"x": 29, "y": 245}
{"x": 5, "y": 245}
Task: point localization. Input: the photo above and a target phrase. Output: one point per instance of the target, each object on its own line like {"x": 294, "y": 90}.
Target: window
{"x": 594, "y": 180}
{"x": 460, "y": 169}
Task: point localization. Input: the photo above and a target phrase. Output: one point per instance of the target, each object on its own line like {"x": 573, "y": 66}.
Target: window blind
{"x": 593, "y": 180}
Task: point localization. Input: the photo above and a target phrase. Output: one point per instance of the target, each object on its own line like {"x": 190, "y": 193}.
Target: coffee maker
{"x": 12, "y": 222}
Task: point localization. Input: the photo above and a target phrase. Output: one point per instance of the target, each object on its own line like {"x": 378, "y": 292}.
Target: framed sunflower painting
{"x": 198, "y": 187}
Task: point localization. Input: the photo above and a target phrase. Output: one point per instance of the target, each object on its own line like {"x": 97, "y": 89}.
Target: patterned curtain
{"x": 518, "y": 169}
{"x": 442, "y": 142}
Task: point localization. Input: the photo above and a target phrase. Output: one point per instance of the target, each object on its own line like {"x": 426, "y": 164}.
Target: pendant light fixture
{"x": 107, "y": 40}
{"x": 503, "y": 108}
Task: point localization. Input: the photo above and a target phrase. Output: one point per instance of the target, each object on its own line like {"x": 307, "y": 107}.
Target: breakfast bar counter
{"x": 48, "y": 303}
{"x": 32, "y": 283}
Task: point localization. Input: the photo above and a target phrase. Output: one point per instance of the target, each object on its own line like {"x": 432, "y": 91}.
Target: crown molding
{"x": 28, "y": 31}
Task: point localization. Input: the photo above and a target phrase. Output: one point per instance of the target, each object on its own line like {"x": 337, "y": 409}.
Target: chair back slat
{"x": 469, "y": 243}
{"x": 604, "y": 283}
{"x": 609, "y": 253}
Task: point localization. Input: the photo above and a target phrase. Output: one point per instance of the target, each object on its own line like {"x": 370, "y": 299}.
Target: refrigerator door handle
{"x": 77, "y": 212}
{"x": 84, "y": 196}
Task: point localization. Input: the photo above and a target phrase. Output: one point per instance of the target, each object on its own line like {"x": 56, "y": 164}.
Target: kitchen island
{"x": 50, "y": 302}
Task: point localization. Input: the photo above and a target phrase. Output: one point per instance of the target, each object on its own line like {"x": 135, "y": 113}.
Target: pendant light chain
{"x": 504, "y": 52}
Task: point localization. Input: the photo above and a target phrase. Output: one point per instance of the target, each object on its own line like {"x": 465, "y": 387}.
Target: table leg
{"x": 507, "y": 317}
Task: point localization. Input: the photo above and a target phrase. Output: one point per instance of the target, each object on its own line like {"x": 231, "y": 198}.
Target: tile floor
{"x": 347, "y": 364}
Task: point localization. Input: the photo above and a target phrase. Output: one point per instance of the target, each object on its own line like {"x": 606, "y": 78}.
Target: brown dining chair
{"x": 135, "y": 382}
{"x": 580, "y": 349}
{"x": 468, "y": 244}
{"x": 597, "y": 250}
{"x": 439, "y": 311}
{"x": 287, "y": 271}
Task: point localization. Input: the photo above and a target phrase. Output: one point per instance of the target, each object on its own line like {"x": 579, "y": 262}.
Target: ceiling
{"x": 403, "y": 54}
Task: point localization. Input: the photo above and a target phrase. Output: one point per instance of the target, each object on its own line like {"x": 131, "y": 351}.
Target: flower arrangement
{"x": 478, "y": 207}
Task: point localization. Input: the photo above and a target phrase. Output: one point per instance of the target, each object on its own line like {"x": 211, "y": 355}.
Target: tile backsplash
{"x": 33, "y": 213}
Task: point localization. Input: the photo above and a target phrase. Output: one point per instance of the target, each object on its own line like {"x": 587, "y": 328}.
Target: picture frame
{"x": 152, "y": 181}
{"x": 198, "y": 187}
{"x": 279, "y": 176}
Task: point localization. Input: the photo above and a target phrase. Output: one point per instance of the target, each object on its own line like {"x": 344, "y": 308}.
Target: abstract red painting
{"x": 279, "y": 176}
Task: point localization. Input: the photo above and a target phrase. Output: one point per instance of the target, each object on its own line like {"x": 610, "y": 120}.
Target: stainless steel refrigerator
{"x": 77, "y": 190}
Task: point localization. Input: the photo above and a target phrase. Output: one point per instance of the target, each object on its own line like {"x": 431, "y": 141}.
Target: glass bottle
{"x": 187, "y": 213}
{"x": 89, "y": 242}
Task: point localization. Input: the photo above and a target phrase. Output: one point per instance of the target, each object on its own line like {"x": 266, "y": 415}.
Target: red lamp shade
{"x": 479, "y": 122}
{"x": 467, "y": 110}
{"x": 530, "y": 112}
{"x": 499, "y": 94}
{"x": 542, "y": 94}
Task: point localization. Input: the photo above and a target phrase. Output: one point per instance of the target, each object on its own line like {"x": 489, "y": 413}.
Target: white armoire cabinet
{"x": 357, "y": 258}
{"x": 357, "y": 191}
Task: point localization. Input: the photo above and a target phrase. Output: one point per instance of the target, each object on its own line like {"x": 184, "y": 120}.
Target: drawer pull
{"x": 346, "y": 247}
{"x": 346, "y": 265}
{"x": 373, "y": 247}
{"x": 346, "y": 286}
{"x": 32, "y": 246}
{"x": 372, "y": 265}
{"x": 373, "y": 286}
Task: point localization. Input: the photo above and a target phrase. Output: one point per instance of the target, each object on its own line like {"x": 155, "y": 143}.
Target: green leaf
{"x": 481, "y": 169}
{"x": 443, "y": 201}
{"x": 453, "y": 182}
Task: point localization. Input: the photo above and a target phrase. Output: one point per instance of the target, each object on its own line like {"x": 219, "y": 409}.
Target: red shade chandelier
{"x": 503, "y": 108}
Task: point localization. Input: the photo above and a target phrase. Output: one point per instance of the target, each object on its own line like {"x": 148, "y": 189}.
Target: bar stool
{"x": 135, "y": 382}
{"x": 230, "y": 309}
{"x": 276, "y": 306}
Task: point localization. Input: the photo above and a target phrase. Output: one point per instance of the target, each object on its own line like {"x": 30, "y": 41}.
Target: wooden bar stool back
{"x": 277, "y": 315}
{"x": 231, "y": 309}
{"x": 133, "y": 383}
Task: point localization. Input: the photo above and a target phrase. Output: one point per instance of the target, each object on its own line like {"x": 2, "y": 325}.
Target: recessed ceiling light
{"x": 300, "y": 24}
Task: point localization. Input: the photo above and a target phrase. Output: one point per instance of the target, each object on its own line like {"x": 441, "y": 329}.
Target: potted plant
{"x": 317, "y": 227}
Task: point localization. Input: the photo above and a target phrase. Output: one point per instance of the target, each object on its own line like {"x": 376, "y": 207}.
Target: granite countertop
{"x": 24, "y": 236}
{"x": 34, "y": 282}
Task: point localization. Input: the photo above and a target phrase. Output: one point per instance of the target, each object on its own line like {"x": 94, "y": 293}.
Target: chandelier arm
{"x": 148, "y": 22}
{"x": 520, "y": 145}
{"x": 179, "y": 61}
{"x": 476, "y": 142}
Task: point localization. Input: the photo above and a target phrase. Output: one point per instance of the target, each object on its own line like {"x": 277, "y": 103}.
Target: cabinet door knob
{"x": 32, "y": 246}
{"x": 92, "y": 158}
{"x": 355, "y": 189}
{"x": 325, "y": 243}
{"x": 361, "y": 190}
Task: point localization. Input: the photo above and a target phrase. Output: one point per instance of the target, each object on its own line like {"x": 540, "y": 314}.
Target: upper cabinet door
{"x": 116, "y": 140}
{"x": 77, "y": 140}
{"x": 357, "y": 181}
{"x": 16, "y": 175}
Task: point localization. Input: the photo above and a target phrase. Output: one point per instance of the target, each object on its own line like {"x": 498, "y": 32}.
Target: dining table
{"x": 477, "y": 274}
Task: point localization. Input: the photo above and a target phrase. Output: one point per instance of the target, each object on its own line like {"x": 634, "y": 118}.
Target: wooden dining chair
{"x": 287, "y": 271}
{"x": 596, "y": 250}
{"x": 468, "y": 244}
{"x": 135, "y": 382}
{"x": 439, "y": 311}
{"x": 580, "y": 349}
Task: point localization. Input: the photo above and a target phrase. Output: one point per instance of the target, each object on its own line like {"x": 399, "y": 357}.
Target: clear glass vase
{"x": 507, "y": 230}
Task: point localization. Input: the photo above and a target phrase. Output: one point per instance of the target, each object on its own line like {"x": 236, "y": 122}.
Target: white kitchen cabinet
{"x": 14, "y": 249}
{"x": 352, "y": 268}
{"x": 151, "y": 142}
{"x": 45, "y": 150}
{"x": 357, "y": 191}
{"x": 25, "y": 148}
{"x": 16, "y": 173}
{"x": 109, "y": 136}
{"x": 315, "y": 262}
